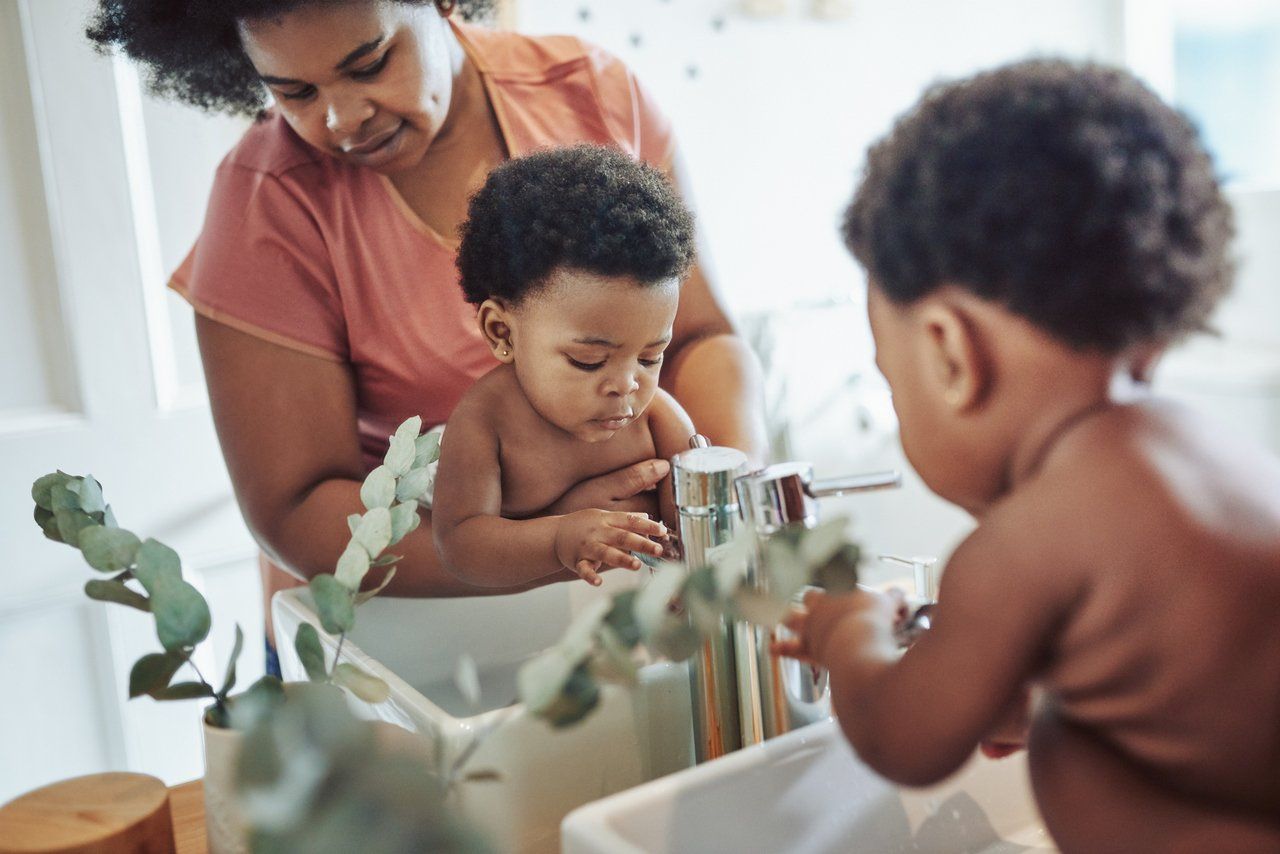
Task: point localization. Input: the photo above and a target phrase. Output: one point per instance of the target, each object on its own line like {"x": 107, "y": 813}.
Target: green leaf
{"x": 364, "y": 685}
{"x": 428, "y": 449}
{"x": 413, "y": 485}
{"x": 71, "y": 521}
{"x": 334, "y": 604}
{"x": 115, "y": 591}
{"x": 307, "y": 644}
{"x": 840, "y": 573}
{"x": 818, "y": 545}
{"x": 361, "y": 598}
{"x": 653, "y": 602}
{"x": 378, "y": 489}
{"x": 542, "y": 678}
{"x": 467, "y": 678}
{"x": 759, "y": 607}
{"x": 402, "y": 449}
{"x": 152, "y": 672}
{"x": 622, "y": 619}
{"x": 580, "y": 695}
{"x": 613, "y": 661}
{"x": 385, "y": 560}
{"x": 109, "y": 549}
{"x": 374, "y": 532}
{"x": 42, "y": 489}
{"x": 230, "y": 681}
{"x": 182, "y": 615}
{"x": 109, "y": 518}
{"x": 155, "y": 563}
{"x": 404, "y": 519}
{"x": 677, "y": 639}
{"x": 184, "y": 691}
{"x": 353, "y": 522}
{"x": 48, "y": 523}
{"x": 352, "y": 566}
{"x": 91, "y": 495}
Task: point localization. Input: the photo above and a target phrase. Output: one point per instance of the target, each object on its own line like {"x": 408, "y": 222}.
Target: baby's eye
{"x": 649, "y": 363}
{"x": 585, "y": 366}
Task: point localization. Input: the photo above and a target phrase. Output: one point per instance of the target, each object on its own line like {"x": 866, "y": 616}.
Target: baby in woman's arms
{"x": 574, "y": 258}
{"x": 1034, "y": 237}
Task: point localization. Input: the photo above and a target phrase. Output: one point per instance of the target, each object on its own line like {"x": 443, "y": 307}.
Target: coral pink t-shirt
{"x": 326, "y": 258}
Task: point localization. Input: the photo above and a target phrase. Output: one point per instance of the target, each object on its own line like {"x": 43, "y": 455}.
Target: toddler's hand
{"x": 590, "y": 540}
{"x": 815, "y": 622}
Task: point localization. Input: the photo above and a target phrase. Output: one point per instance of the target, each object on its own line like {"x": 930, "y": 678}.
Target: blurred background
{"x": 102, "y": 189}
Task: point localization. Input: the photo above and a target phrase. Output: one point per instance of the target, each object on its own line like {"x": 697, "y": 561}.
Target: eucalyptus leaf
{"x": 467, "y": 678}
{"x": 677, "y": 639}
{"x": 48, "y": 523}
{"x": 622, "y": 618}
{"x": 71, "y": 521}
{"x": 614, "y": 660}
{"x": 385, "y": 560}
{"x": 378, "y": 489}
{"x": 230, "y": 681}
{"x": 91, "y": 495}
{"x": 400, "y": 453}
{"x": 542, "y": 678}
{"x": 653, "y": 602}
{"x": 307, "y": 644}
{"x": 352, "y": 566}
{"x": 334, "y": 603}
{"x": 703, "y": 613}
{"x": 580, "y": 695}
{"x": 65, "y": 494}
{"x": 152, "y": 672}
{"x": 732, "y": 560}
{"x": 820, "y": 543}
{"x": 759, "y": 607}
{"x": 42, "y": 489}
{"x": 784, "y": 570}
{"x": 428, "y": 449}
{"x": 404, "y": 519}
{"x": 840, "y": 573}
{"x": 115, "y": 591}
{"x": 364, "y": 685}
{"x": 109, "y": 549}
{"x": 182, "y": 615}
{"x": 109, "y": 518}
{"x": 413, "y": 485}
{"x": 184, "y": 691}
{"x": 361, "y": 598}
{"x": 579, "y": 638}
{"x": 353, "y": 522}
{"x": 156, "y": 563}
{"x": 374, "y": 532}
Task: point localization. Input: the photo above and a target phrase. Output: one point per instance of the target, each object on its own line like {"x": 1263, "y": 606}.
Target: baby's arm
{"x": 918, "y": 718}
{"x": 671, "y": 429}
{"x": 481, "y": 548}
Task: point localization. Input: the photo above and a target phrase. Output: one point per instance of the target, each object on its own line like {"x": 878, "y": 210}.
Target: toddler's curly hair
{"x": 587, "y": 208}
{"x": 1068, "y": 193}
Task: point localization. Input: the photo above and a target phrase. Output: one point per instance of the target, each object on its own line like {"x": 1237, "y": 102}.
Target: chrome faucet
{"x": 742, "y": 694}
{"x": 778, "y": 695}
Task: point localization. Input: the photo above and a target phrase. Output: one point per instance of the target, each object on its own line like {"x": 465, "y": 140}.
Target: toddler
{"x": 574, "y": 258}
{"x": 1033, "y": 238}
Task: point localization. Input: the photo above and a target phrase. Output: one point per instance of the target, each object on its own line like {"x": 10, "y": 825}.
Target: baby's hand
{"x": 589, "y": 540}
{"x": 815, "y": 623}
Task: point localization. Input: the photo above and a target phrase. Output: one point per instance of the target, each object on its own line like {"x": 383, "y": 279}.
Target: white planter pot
{"x": 224, "y": 823}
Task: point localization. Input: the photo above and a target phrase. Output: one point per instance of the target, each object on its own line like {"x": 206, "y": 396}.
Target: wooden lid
{"x": 100, "y": 813}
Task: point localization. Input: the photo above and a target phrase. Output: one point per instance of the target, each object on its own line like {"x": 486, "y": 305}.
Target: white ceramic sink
{"x": 807, "y": 793}
{"x": 415, "y": 645}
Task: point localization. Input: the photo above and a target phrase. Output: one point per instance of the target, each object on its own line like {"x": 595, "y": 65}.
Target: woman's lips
{"x": 370, "y": 148}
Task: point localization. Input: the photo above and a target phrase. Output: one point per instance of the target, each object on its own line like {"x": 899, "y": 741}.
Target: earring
{"x": 506, "y": 352}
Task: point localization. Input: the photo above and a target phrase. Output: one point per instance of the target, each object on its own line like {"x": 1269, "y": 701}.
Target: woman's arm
{"x": 287, "y": 425}
{"x": 710, "y": 369}
{"x": 671, "y": 429}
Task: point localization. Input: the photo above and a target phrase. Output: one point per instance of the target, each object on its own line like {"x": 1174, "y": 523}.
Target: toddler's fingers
{"x": 791, "y": 648}
{"x": 609, "y": 556}
{"x": 637, "y": 523}
{"x": 795, "y": 619}
{"x": 812, "y": 598}
{"x": 586, "y": 569}
{"x": 629, "y": 542}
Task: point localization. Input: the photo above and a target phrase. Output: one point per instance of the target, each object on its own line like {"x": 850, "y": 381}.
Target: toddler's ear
{"x": 494, "y": 317}
{"x": 954, "y": 357}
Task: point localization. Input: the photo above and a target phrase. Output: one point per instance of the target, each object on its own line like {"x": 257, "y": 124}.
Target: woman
{"x": 327, "y": 301}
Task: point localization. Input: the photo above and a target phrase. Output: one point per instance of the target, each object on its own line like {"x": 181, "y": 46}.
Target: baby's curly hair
{"x": 587, "y": 208}
{"x": 1068, "y": 193}
{"x": 191, "y": 51}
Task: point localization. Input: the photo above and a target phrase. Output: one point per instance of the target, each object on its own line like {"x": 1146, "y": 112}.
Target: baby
{"x": 574, "y": 258}
{"x": 1034, "y": 238}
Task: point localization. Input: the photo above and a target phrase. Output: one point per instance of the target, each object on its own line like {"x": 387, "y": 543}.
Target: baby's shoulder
{"x": 488, "y": 399}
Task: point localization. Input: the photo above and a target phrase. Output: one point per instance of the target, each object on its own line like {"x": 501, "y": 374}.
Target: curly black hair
{"x": 190, "y": 49}
{"x": 587, "y": 208}
{"x": 1068, "y": 193}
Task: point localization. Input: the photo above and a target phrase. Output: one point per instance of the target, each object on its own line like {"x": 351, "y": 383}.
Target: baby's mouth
{"x": 614, "y": 422}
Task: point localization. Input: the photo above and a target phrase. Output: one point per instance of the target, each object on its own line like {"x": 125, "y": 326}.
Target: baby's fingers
{"x": 629, "y": 542}
{"x": 793, "y": 647}
{"x": 637, "y": 523}
{"x": 609, "y": 556}
{"x": 586, "y": 569}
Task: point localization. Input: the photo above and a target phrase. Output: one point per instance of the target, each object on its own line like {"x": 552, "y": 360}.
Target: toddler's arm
{"x": 483, "y": 549}
{"x": 917, "y": 718}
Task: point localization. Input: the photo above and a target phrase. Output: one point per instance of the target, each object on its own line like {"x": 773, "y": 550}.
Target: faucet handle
{"x": 925, "y": 571}
{"x": 785, "y": 493}
{"x": 854, "y": 483}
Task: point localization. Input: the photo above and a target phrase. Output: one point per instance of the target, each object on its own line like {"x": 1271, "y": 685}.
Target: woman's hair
{"x": 191, "y": 51}
{"x": 1068, "y": 193}
{"x": 587, "y": 208}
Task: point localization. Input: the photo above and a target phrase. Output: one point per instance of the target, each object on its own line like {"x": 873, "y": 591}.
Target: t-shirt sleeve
{"x": 631, "y": 112}
{"x": 261, "y": 265}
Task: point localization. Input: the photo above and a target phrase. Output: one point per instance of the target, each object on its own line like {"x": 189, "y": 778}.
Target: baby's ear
{"x": 494, "y": 317}
{"x": 954, "y": 357}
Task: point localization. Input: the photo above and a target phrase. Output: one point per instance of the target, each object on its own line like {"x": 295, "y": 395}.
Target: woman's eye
{"x": 371, "y": 71}
{"x": 585, "y": 366}
{"x": 299, "y": 94}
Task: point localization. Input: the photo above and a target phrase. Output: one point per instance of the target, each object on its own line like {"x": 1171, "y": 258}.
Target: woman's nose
{"x": 344, "y": 116}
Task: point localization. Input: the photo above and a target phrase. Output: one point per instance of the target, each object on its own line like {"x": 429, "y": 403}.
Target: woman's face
{"x": 368, "y": 82}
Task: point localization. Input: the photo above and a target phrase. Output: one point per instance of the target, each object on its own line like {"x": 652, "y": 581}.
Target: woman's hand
{"x": 628, "y": 490}
{"x": 823, "y": 615}
{"x": 589, "y": 540}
